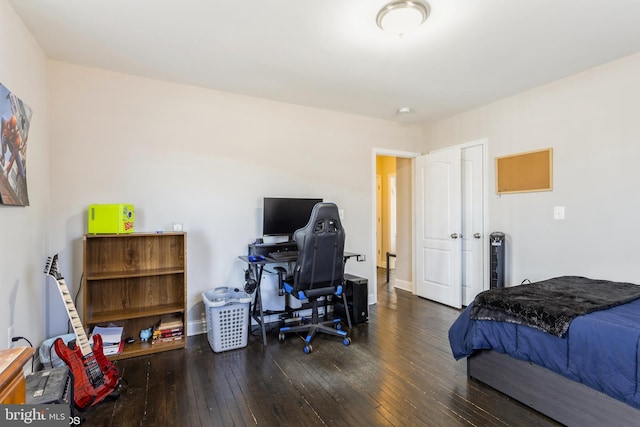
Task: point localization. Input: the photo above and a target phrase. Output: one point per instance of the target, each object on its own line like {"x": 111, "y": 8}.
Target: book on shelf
{"x": 170, "y": 322}
{"x": 166, "y": 339}
{"x": 170, "y": 328}
{"x": 112, "y": 349}
{"x": 112, "y": 342}
{"x": 111, "y": 335}
{"x": 168, "y": 332}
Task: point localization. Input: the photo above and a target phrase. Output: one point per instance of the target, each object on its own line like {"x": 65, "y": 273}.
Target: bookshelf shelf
{"x": 139, "y": 273}
{"x": 133, "y": 280}
{"x": 115, "y": 315}
{"x": 143, "y": 348}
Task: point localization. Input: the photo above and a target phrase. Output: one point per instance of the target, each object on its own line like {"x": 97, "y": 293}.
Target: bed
{"x": 568, "y": 347}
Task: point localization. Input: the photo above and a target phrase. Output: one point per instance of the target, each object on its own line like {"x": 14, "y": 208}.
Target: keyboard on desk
{"x": 284, "y": 255}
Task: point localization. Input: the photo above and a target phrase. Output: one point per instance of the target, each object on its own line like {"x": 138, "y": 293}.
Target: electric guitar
{"x": 94, "y": 376}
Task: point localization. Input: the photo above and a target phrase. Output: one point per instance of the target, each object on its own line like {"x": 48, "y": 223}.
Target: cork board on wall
{"x": 530, "y": 171}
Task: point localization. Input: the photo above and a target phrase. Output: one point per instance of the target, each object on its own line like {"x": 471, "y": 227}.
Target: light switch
{"x": 558, "y": 212}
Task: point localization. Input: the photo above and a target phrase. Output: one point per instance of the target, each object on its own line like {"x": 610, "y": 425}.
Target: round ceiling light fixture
{"x": 402, "y": 17}
{"x": 404, "y": 110}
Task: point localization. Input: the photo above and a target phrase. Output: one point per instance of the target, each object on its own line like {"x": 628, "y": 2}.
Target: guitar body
{"x": 85, "y": 393}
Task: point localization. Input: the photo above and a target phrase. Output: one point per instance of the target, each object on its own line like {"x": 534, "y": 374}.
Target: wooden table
{"x": 12, "y": 381}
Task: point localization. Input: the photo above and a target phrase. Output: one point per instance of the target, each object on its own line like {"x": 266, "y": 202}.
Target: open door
{"x": 438, "y": 189}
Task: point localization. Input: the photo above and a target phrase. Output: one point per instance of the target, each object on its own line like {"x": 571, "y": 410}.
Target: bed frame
{"x": 559, "y": 398}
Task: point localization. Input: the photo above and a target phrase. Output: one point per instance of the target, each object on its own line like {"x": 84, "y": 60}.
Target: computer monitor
{"x": 283, "y": 216}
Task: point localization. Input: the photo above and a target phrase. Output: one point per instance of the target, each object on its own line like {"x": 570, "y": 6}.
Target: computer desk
{"x": 258, "y": 267}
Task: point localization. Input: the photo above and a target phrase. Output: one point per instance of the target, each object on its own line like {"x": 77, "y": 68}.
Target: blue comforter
{"x": 600, "y": 349}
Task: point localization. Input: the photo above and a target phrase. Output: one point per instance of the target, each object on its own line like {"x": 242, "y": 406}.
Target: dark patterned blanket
{"x": 550, "y": 305}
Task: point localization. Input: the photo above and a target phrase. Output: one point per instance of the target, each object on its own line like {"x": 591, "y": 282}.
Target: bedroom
{"x": 590, "y": 119}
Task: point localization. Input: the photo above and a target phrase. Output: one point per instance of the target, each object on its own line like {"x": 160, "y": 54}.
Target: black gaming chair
{"x": 318, "y": 272}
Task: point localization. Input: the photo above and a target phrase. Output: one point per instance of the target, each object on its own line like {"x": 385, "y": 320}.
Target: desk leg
{"x": 389, "y": 255}
{"x": 346, "y": 308}
{"x": 258, "y": 302}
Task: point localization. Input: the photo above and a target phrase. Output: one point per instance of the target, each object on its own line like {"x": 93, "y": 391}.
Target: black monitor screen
{"x": 283, "y": 216}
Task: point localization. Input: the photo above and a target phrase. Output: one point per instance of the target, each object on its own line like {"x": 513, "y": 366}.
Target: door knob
{"x": 477, "y": 235}
{"x": 454, "y": 235}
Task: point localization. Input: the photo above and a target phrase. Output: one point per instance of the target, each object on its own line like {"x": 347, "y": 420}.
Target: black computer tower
{"x": 357, "y": 293}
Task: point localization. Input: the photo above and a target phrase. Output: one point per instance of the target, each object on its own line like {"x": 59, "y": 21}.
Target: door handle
{"x": 477, "y": 235}
{"x": 455, "y": 235}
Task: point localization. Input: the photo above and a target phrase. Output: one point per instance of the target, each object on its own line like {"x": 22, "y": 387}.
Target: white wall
{"x": 23, "y": 239}
{"x": 404, "y": 250}
{"x": 206, "y": 159}
{"x": 592, "y": 122}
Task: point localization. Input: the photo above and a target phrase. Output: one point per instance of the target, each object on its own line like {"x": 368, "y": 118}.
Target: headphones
{"x": 250, "y": 282}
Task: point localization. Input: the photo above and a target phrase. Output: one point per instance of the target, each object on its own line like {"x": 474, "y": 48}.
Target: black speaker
{"x": 357, "y": 293}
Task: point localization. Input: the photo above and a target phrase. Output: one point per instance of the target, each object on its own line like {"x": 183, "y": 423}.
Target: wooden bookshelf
{"x": 132, "y": 280}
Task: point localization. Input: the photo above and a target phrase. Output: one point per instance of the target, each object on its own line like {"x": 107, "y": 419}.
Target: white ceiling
{"x": 330, "y": 53}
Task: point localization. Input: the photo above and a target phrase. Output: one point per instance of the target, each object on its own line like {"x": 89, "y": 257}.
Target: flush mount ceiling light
{"x": 402, "y": 17}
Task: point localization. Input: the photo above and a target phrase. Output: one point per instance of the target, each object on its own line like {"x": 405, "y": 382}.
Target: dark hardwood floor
{"x": 397, "y": 372}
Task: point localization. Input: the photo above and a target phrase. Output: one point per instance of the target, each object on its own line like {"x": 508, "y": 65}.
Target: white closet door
{"x": 439, "y": 227}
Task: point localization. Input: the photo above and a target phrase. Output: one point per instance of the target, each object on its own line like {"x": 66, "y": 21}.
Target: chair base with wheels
{"x": 314, "y": 325}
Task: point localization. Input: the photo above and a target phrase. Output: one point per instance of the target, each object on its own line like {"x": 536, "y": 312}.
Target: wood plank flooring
{"x": 397, "y": 372}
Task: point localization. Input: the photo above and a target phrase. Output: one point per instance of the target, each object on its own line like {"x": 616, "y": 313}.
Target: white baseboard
{"x": 196, "y": 327}
{"x": 403, "y": 284}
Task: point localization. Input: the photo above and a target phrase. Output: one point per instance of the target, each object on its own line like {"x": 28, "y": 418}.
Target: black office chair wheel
{"x": 346, "y": 341}
{"x": 307, "y": 349}
{"x": 281, "y": 337}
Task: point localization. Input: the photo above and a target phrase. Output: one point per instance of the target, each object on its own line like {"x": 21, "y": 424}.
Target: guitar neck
{"x": 81, "y": 336}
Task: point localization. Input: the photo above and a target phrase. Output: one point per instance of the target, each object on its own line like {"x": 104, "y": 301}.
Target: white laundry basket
{"x": 227, "y": 312}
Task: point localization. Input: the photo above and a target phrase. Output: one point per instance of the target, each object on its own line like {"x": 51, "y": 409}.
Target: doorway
{"x": 392, "y": 217}
{"x": 473, "y": 269}
{"x": 386, "y": 167}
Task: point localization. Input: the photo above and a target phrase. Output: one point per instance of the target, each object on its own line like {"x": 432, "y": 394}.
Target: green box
{"x": 111, "y": 219}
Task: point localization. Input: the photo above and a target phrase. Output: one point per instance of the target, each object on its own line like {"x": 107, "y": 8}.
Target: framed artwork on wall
{"x": 15, "y": 118}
